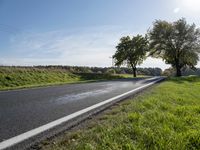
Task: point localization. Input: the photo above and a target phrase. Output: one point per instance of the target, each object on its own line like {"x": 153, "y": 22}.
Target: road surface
{"x": 24, "y": 110}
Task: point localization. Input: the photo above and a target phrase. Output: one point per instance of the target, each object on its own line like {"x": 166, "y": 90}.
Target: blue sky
{"x": 80, "y": 32}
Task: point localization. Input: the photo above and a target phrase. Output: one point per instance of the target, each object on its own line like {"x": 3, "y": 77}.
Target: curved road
{"x": 23, "y": 110}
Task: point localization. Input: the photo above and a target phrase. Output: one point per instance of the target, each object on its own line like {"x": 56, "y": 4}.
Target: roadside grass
{"x": 18, "y": 77}
{"x": 166, "y": 116}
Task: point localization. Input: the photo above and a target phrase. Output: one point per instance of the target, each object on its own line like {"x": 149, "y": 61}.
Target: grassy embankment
{"x": 16, "y": 77}
{"x": 165, "y": 117}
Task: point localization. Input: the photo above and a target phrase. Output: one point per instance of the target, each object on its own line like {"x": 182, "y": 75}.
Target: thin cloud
{"x": 89, "y": 46}
{"x": 82, "y": 47}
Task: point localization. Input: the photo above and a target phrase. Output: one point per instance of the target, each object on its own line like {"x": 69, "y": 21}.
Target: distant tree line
{"x": 185, "y": 71}
{"x": 98, "y": 70}
{"x": 112, "y": 70}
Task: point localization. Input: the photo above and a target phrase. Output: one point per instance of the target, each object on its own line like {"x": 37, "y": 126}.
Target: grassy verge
{"x": 165, "y": 117}
{"x": 15, "y": 77}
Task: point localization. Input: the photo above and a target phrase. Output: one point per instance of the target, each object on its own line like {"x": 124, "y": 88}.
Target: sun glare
{"x": 191, "y": 5}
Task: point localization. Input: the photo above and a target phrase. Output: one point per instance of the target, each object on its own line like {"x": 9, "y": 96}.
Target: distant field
{"x": 15, "y": 77}
{"x": 165, "y": 117}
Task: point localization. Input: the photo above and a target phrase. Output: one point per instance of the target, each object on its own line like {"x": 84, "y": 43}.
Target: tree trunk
{"x": 178, "y": 69}
{"x": 134, "y": 71}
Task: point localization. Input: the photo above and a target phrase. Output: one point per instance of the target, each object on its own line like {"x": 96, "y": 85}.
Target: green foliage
{"x": 177, "y": 43}
{"x": 186, "y": 71}
{"x": 110, "y": 71}
{"x": 169, "y": 72}
{"x": 166, "y": 117}
{"x": 84, "y": 69}
{"x": 20, "y": 77}
{"x": 131, "y": 51}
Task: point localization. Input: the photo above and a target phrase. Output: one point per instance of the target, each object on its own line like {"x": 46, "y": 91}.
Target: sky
{"x": 81, "y": 32}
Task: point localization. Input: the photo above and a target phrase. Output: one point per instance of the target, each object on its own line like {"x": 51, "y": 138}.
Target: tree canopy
{"x": 177, "y": 43}
{"x": 131, "y": 51}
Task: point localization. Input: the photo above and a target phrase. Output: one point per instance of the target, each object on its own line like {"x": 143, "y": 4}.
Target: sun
{"x": 190, "y": 5}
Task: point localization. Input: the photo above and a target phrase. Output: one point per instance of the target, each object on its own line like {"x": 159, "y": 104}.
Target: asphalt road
{"x": 23, "y": 110}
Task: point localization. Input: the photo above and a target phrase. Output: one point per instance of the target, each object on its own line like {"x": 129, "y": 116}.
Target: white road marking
{"x": 24, "y": 136}
{"x": 151, "y": 78}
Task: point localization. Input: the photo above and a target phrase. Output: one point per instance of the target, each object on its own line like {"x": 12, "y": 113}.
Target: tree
{"x": 131, "y": 52}
{"x": 177, "y": 43}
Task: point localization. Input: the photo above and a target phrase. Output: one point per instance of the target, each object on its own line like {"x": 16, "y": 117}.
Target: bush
{"x": 110, "y": 71}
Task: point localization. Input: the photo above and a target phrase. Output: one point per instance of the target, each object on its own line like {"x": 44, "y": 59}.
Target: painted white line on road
{"x": 24, "y": 136}
{"x": 148, "y": 79}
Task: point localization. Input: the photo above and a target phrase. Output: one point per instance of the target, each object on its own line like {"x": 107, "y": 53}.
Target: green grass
{"x": 165, "y": 117}
{"x": 16, "y": 77}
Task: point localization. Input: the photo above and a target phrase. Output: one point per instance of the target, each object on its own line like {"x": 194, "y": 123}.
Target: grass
{"x": 16, "y": 77}
{"x": 165, "y": 117}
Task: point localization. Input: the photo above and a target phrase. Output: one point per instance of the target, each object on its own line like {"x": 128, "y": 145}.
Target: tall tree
{"x": 177, "y": 43}
{"x": 131, "y": 52}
